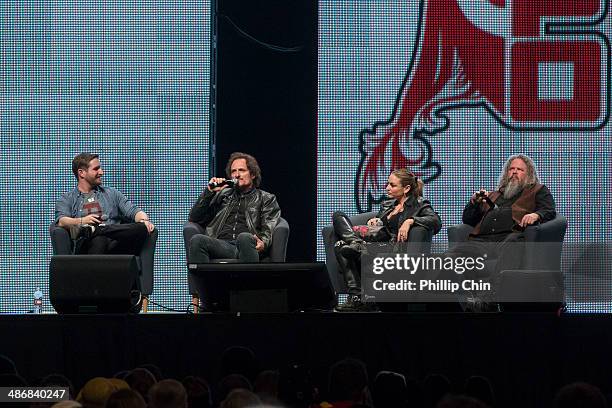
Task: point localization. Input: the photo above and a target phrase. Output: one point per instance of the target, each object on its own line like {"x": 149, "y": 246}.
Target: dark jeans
{"x": 117, "y": 239}
{"x": 504, "y": 252}
{"x": 203, "y": 248}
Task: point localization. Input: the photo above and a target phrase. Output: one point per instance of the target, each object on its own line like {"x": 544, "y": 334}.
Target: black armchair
{"x": 419, "y": 240}
{"x": 552, "y": 233}
{"x": 277, "y": 252}
{"x": 539, "y": 276}
{"x": 63, "y": 245}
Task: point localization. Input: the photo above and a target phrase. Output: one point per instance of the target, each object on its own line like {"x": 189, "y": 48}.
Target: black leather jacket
{"x": 418, "y": 209}
{"x": 262, "y": 214}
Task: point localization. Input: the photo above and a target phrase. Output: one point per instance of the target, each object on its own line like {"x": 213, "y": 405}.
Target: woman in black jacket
{"x": 406, "y": 210}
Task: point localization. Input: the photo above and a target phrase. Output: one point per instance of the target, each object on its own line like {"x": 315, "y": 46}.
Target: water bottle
{"x": 38, "y": 295}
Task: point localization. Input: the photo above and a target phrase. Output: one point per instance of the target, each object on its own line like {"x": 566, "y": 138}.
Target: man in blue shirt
{"x": 101, "y": 219}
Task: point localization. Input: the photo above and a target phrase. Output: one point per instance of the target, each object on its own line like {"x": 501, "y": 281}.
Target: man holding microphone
{"x": 238, "y": 217}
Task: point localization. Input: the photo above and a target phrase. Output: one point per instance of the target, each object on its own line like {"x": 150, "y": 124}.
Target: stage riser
{"x": 533, "y": 353}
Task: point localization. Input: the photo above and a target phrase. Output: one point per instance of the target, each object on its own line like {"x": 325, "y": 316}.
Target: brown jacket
{"x": 525, "y": 204}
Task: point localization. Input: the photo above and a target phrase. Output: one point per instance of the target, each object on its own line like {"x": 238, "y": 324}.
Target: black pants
{"x": 202, "y": 248}
{"x": 116, "y": 239}
{"x": 507, "y": 249}
{"x": 504, "y": 252}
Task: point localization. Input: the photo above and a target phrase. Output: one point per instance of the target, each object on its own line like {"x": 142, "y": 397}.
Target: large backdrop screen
{"x": 128, "y": 80}
{"x": 450, "y": 89}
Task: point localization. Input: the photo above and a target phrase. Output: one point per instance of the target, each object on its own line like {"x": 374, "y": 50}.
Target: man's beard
{"x": 94, "y": 181}
{"x": 513, "y": 188}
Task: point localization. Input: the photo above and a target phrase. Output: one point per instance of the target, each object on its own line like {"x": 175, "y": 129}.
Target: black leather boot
{"x": 354, "y": 250}
{"x": 354, "y": 245}
{"x": 349, "y": 269}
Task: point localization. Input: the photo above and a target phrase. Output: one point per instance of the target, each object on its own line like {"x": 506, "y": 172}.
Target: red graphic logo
{"x": 533, "y": 64}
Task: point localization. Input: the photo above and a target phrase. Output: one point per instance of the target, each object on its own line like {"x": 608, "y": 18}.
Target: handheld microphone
{"x": 491, "y": 203}
{"x": 230, "y": 183}
{"x": 483, "y": 196}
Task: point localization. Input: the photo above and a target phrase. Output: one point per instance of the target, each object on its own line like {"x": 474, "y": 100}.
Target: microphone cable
{"x": 186, "y": 311}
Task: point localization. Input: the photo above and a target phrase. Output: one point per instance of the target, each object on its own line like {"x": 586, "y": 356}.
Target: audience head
{"x": 480, "y": 388}
{"x": 579, "y": 395}
{"x": 198, "y": 392}
{"x": 125, "y": 398}
{"x": 96, "y": 391}
{"x": 121, "y": 374}
{"x": 241, "y": 398}
{"x": 348, "y": 381}
{"x": 140, "y": 380}
{"x": 7, "y": 366}
{"x": 153, "y": 369}
{"x": 389, "y": 390}
{"x": 239, "y": 360}
{"x": 232, "y": 382}
{"x": 66, "y": 404}
{"x": 168, "y": 394}
{"x": 266, "y": 386}
{"x": 57, "y": 380}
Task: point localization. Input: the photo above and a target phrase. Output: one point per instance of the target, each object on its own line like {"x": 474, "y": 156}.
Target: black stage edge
{"x": 527, "y": 356}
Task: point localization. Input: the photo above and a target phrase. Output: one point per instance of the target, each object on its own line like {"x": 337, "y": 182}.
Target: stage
{"x": 526, "y": 355}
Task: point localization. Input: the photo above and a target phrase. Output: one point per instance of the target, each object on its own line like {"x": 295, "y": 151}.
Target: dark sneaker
{"x": 354, "y": 304}
{"x": 478, "y": 305}
{"x": 351, "y": 305}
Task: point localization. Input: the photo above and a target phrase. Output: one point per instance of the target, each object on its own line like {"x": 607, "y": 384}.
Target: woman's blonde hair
{"x": 407, "y": 178}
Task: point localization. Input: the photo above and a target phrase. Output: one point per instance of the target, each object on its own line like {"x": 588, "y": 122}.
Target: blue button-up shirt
{"x": 114, "y": 205}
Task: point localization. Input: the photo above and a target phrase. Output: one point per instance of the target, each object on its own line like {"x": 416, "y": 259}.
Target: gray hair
{"x": 532, "y": 172}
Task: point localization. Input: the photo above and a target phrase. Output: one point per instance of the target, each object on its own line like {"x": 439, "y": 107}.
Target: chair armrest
{"x": 544, "y": 244}
{"x": 280, "y": 238}
{"x": 189, "y": 230}
{"x": 551, "y": 231}
{"x": 60, "y": 240}
{"x": 147, "y": 261}
{"x": 419, "y": 240}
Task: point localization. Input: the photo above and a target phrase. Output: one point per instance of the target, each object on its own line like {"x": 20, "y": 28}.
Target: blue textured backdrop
{"x": 365, "y": 50}
{"x": 126, "y": 79}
